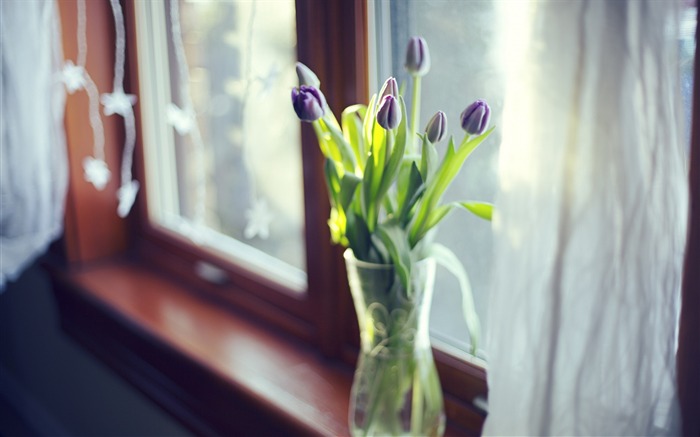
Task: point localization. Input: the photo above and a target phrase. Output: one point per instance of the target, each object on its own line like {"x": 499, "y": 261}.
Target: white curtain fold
{"x": 590, "y": 229}
{"x": 33, "y": 165}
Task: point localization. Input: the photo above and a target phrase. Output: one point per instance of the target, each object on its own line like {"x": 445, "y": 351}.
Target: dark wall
{"x": 55, "y": 384}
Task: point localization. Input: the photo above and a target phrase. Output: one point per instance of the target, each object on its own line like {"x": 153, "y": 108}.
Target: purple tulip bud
{"x": 390, "y": 88}
{"x": 475, "y": 119}
{"x": 437, "y": 127}
{"x": 308, "y": 103}
{"x": 306, "y": 76}
{"x": 389, "y": 114}
{"x": 417, "y": 57}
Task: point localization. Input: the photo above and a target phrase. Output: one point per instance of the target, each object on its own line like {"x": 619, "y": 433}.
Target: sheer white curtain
{"x": 590, "y": 231}
{"x": 33, "y": 166}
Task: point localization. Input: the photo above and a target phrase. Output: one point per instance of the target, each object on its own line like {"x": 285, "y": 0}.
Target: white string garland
{"x": 117, "y": 102}
{"x": 183, "y": 119}
{"x": 258, "y": 214}
{"x": 76, "y": 77}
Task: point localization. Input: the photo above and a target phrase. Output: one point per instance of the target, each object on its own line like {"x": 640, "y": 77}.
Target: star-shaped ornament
{"x": 182, "y": 120}
{"x": 73, "y": 76}
{"x": 126, "y": 195}
{"x": 117, "y": 103}
{"x": 96, "y": 172}
{"x": 259, "y": 218}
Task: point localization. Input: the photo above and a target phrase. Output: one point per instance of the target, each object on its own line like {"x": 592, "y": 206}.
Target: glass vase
{"x": 396, "y": 390}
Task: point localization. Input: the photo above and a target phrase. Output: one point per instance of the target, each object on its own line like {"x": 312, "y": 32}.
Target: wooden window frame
{"x": 114, "y": 276}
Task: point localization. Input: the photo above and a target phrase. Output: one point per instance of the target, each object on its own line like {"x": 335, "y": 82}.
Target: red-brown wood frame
{"x": 99, "y": 245}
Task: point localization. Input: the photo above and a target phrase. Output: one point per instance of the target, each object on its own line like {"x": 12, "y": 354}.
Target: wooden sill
{"x": 216, "y": 372}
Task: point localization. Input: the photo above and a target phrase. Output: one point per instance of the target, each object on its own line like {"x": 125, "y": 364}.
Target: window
{"x": 230, "y": 67}
{"x": 225, "y": 206}
{"x": 221, "y": 145}
{"x": 222, "y": 156}
{"x": 231, "y": 183}
{"x": 190, "y": 221}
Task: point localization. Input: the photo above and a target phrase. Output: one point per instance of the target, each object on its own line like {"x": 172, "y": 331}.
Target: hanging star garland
{"x": 259, "y": 218}
{"x": 118, "y": 102}
{"x": 183, "y": 119}
{"x": 75, "y": 78}
{"x": 258, "y": 215}
{"x": 127, "y": 195}
{"x": 96, "y": 172}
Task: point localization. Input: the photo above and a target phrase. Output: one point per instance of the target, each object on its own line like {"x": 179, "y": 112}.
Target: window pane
{"x": 465, "y": 66}
{"x": 230, "y": 180}
{"x": 462, "y": 70}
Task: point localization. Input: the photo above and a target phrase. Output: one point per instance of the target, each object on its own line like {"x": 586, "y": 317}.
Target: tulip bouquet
{"x": 386, "y": 181}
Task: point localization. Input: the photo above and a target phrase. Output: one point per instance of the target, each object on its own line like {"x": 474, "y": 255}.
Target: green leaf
{"x": 411, "y": 194}
{"x": 348, "y": 186}
{"x": 377, "y": 161}
{"x": 337, "y": 220}
{"x": 379, "y": 135}
{"x": 358, "y": 236}
{"x": 436, "y": 216}
{"x": 482, "y": 210}
{"x": 453, "y": 164}
{"x": 404, "y": 179}
{"x": 395, "y": 240}
{"x": 430, "y": 200}
{"x": 446, "y": 258}
{"x": 374, "y": 141}
{"x": 368, "y": 123}
{"x": 323, "y": 139}
{"x": 337, "y": 224}
{"x": 429, "y": 159}
{"x": 378, "y": 254}
{"x": 446, "y": 172}
{"x": 368, "y": 206}
{"x": 390, "y": 205}
{"x": 391, "y": 171}
{"x": 332, "y": 181}
{"x": 353, "y": 131}
{"x": 342, "y": 152}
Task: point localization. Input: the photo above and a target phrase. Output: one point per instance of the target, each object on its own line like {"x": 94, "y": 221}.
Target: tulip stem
{"x": 415, "y": 113}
